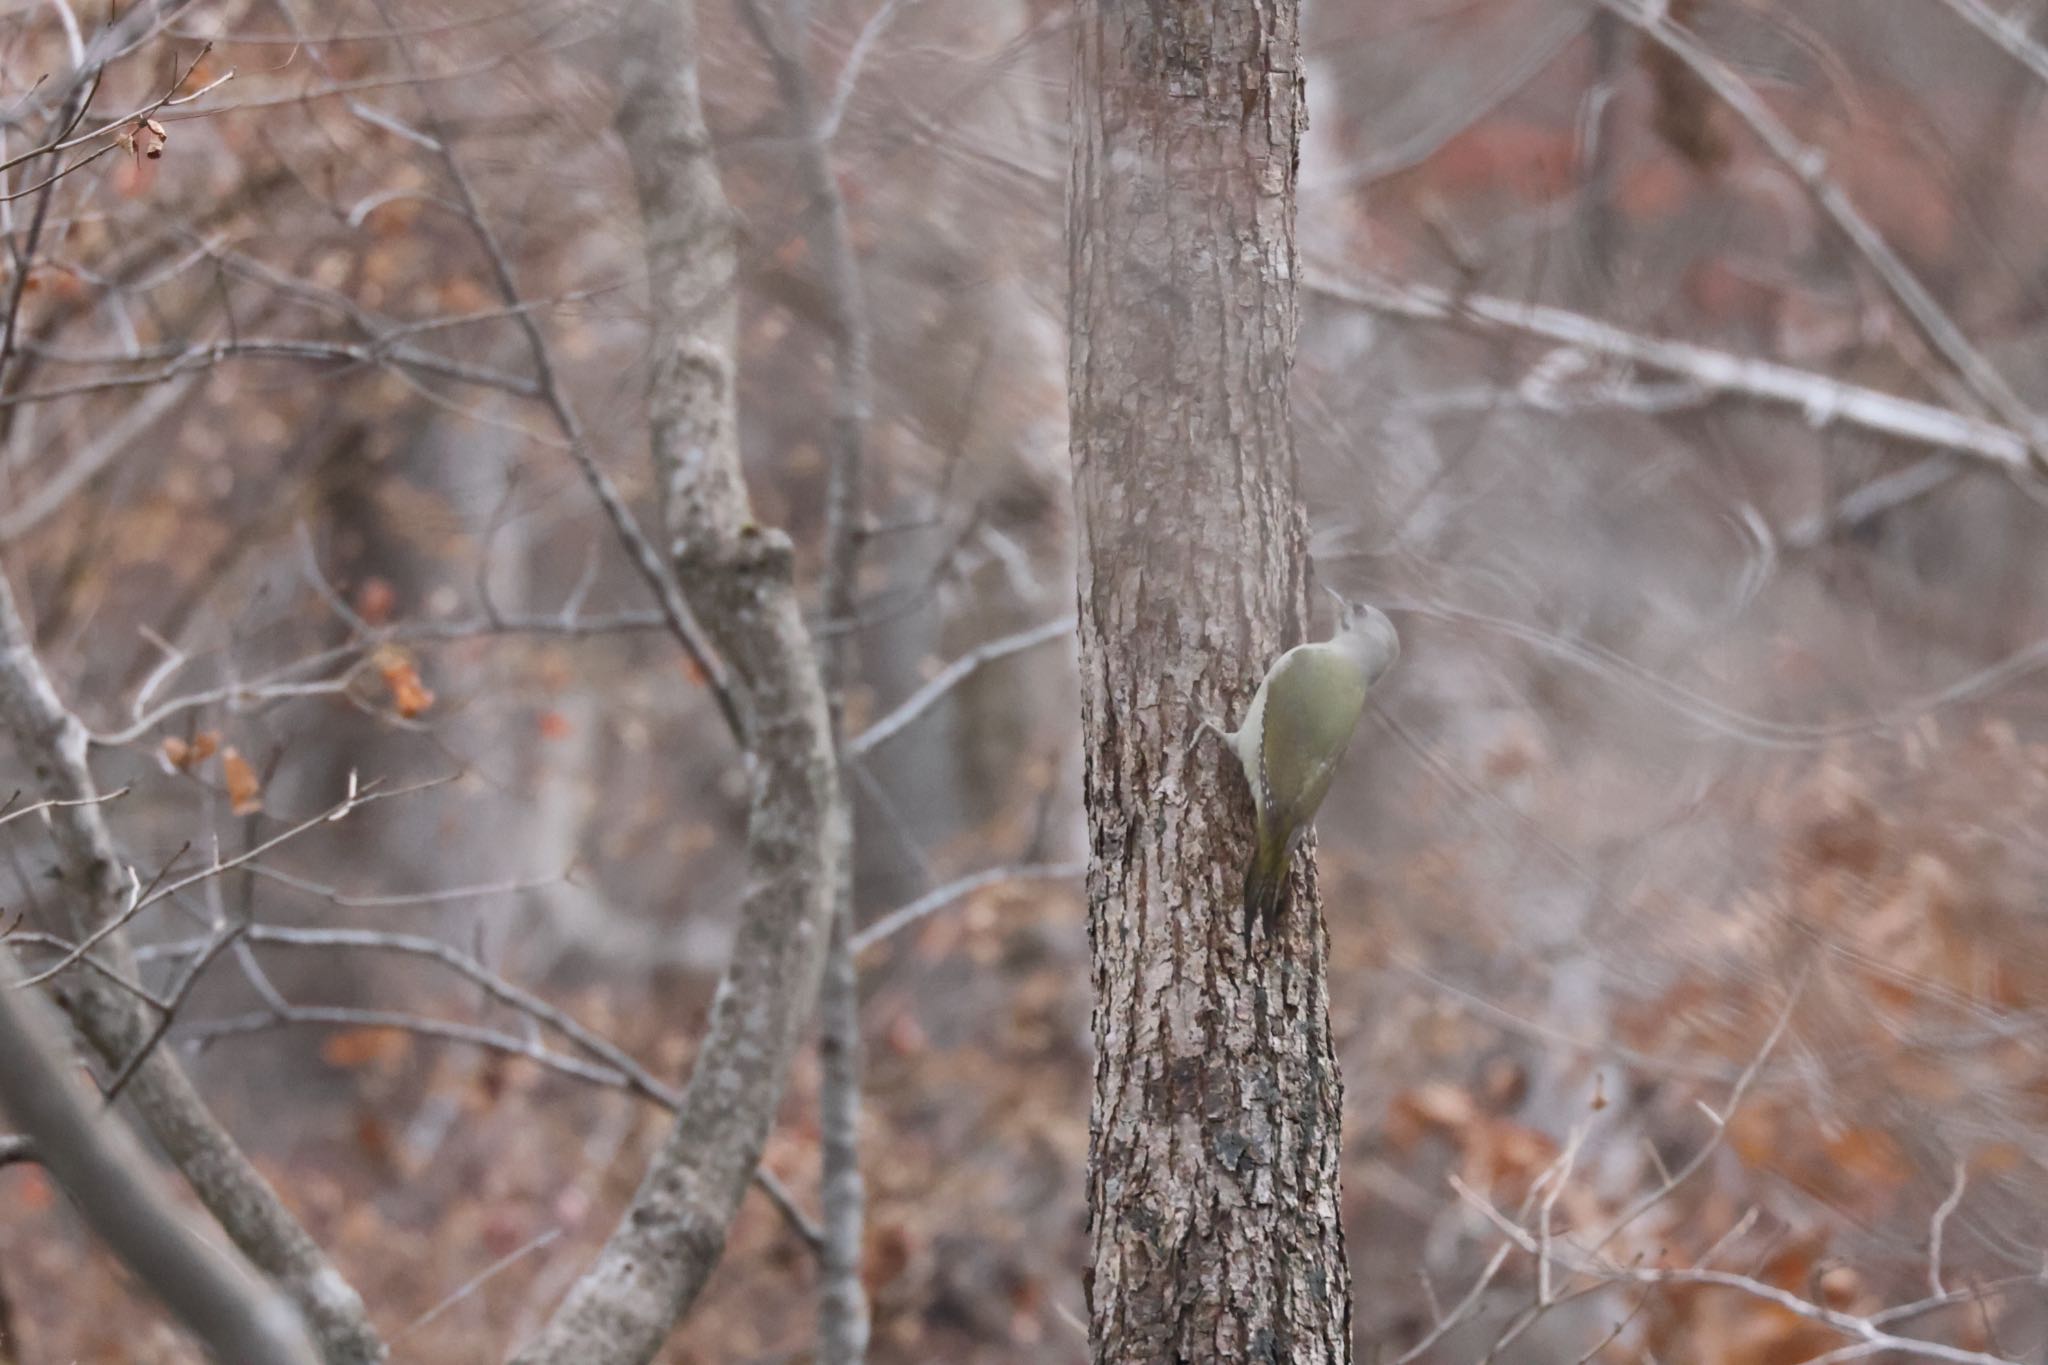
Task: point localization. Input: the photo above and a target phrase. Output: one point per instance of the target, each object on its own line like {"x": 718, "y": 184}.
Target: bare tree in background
{"x": 397, "y": 667}
{"x": 740, "y": 579}
{"x": 1213, "y": 1169}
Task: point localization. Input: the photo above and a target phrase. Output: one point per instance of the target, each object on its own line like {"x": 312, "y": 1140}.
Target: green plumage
{"x": 1293, "y": 737}
{"x": 1308, "y": 707}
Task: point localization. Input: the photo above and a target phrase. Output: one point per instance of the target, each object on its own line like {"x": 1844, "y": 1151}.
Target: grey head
{"x": 1365, "y": 629}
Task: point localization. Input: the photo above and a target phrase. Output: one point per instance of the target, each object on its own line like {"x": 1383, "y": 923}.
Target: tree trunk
{"x": 1214, "y": 1164}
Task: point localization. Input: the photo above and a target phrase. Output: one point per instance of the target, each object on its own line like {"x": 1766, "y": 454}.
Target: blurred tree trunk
{"x": 1213, "y": 1178}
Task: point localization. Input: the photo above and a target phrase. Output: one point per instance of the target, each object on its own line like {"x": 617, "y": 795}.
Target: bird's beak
{"x": 1337, "y": 597}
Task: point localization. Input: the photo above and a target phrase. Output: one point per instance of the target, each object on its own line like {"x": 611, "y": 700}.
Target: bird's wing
{"x": 1313, "y": 699}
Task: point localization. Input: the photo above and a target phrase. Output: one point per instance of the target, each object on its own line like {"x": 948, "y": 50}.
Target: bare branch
{"x": 201, "y": 356}
{"x": 2006, "y": 31}
{"x": 107, "y": 446}
{"x": 294, "y": 1015}
{"x": 1873, "y": 499}
{"x": 1809, "y": 164}
{"x": 91, "y": 1157}
{"x": 637, "y": 1077}
{"x": 1821, "y": 400}
{"x": 647, "y": 561}
{"x": 481, "y": 1278}
{"x": 397, "y": 900}
{"x": 1939, "y": 1221}
{"x": 1716, "y": 718}
{"x": 738, "y": 576}
{"x": 785, "y": 1203}
{"x": 1868, "y": 1336}
{"x": 843, "y": 1322}
{"x": 617, "y": 1067}
{"x": 849, "y": 73}
{"x": 10, "y": 812}
{"x": 950, "y": 677}
{"x": 55, "y": 744}
{"x": 938, "y": 898}
{"x": 1720, "y": 1121}
{"x": 142, "y": 900}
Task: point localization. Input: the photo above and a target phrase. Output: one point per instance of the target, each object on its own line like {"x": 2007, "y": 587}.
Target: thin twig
{"x": 938, "y": 898}
{"x": 1720, "y": 1121}
{"x": 1938, "y": 1222}
{"x": 637, "y": 1077}
{"x": 950, "y": 677}
{"x": 1809, "y": 164}
{"x": 1820, "y": 399}
{"x": 140, "y": 902}
{"x": 647, "y": 560}
{"x": 1868, "y": 1336}
{"x": 477, "y": 1281}
{"x": 208, "y": 354}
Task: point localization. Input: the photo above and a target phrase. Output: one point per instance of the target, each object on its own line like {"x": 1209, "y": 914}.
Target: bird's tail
{"x": 1265, "y": 886}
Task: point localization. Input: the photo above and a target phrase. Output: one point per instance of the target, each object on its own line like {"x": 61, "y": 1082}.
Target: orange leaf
{"x": 352, "y": 1049}
{"x": 409, "y": 696}
{"x": 187, "y": 754}
{"x": 245, "y": 789}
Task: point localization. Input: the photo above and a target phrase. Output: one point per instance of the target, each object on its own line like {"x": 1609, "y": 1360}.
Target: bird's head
{"x": 1369, "y": 627}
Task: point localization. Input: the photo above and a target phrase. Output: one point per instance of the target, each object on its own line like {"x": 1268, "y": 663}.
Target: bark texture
{"x": 53, "y": 743}
{"x": 843, "y": 1320}
{"x": 109, "y": 1181}
{"x": 1213, "y": 1185}
{"x": 737, "y": 575}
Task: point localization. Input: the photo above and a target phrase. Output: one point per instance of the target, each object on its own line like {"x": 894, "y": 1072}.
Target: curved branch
{"x": 737, "y": 575}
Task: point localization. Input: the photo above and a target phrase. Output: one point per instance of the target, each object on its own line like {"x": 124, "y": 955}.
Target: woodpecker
{"x": 1294, "y": 734}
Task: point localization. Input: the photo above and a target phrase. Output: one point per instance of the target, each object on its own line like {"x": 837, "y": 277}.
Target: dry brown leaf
{"x": 187, "y": 754}
{"x": 145, "y": 137}
{"x": 409, "y": 696}
{"x": 245, "y": 789}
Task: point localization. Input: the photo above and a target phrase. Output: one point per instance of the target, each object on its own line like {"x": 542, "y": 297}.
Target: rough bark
{"x": 843, "y": 1324}
{"x": 53, "y": 742}
{"x": 737, "y": 576}
{"x": 1213, "y": 1183}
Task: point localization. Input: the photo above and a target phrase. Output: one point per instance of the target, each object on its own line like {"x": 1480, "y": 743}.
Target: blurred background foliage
{"x": 1719, "y": 747}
